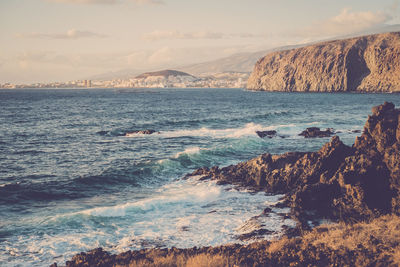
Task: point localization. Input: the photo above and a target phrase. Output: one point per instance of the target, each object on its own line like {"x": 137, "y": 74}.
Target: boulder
{"x": 316, "y": 132}
{"x": 268, "y": 134}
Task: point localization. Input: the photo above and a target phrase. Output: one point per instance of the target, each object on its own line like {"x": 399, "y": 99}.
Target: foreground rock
{"x": 363, "y": 64}
{"x": 316, "y": 132}
{"x": 338, "y": 182}
{"x": 375, "y": 243}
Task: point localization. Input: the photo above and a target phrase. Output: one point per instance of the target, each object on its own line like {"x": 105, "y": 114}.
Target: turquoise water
{"x": 70, "y": 180}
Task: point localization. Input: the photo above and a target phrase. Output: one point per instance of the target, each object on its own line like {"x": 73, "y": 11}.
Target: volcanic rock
{"x": 337, "y": 182}
{"x": 362, "y": 64}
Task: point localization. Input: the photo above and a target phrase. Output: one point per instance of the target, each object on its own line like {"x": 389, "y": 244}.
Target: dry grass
{"x": 374, "y": 243}
{"x": 204, "y": 260}
{"x": 382, "y": 231}
{"x": 200, "y": 260}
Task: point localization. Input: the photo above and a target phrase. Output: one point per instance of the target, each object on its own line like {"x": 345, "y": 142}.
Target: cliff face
{"x": 363, "y": 64}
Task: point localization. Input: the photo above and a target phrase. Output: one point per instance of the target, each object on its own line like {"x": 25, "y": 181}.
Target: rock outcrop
{"x": 316, "y": 132}
{"x": 337, "y": 182}
{"x": 362, "y": 64}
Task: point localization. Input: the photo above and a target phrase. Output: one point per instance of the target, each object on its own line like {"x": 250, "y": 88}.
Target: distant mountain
{"x": 363, "y": 64}
{"x": 240, "y": 62}
{"x": 162, "y": 73}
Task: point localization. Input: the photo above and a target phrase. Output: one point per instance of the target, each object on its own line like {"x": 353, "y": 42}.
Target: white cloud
{"x": 163, "y": 35}
{"x": 348, "y": 22}
{"x": 70, "y": 34}
{"x": 108, "y": 2}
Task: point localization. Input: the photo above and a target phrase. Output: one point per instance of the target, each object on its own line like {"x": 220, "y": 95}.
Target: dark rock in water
{"x": 268, "y": 134}
{"x": 140, "y": 132}
{"x": 356, "y": 131}
{"x": 267, "y": 211}
{"x": 316, "y": 132}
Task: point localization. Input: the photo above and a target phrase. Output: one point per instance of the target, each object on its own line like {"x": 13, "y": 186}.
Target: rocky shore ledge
{"x": 357, "y": 187}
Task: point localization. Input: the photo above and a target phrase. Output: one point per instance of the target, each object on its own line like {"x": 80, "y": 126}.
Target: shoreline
{"x": 346, "y": 185}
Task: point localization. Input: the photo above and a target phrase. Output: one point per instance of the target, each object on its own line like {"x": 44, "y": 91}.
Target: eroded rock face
{"x": 338, "y": 181}
{"x": 368, "y": 64}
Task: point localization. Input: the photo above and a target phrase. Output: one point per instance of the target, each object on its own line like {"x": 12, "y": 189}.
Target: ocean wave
{"x": 247, "y": 130}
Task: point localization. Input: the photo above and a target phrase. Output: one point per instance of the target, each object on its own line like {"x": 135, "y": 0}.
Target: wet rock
{"x": 316, "y": 132}
{"x": 256, "y": 234}
{"x": 268, "y": 134}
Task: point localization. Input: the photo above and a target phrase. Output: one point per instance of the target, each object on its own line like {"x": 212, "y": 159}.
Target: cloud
{"x": 70, "y": 34}
{"x": 348, "y": 22}
{"x": 163, "y": 35}
{"x": 108, "y": 2}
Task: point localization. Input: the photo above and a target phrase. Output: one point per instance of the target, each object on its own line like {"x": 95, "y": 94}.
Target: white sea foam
{"x": 184, "y": 213}
{"x": 188, "y": 151}
{"x": 247, "y": 130}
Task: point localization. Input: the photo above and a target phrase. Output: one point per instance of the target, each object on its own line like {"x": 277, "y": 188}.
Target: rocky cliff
{"x": 337, "y": 182}
{"x": 362, "y": 64}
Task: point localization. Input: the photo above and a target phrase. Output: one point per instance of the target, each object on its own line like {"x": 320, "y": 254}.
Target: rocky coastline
{"x": 357, "y": 188}
{"x": 362, "y": 64}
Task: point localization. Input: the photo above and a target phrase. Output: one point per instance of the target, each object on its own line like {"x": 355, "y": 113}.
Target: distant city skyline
{"x": 61, "y": 40}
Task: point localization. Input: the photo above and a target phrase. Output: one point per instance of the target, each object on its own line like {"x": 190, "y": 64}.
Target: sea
{"x": 71, "y": 180}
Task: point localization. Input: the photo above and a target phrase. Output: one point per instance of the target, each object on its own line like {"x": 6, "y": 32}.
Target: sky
{"x": 62, "y": 40}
